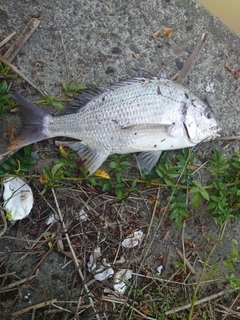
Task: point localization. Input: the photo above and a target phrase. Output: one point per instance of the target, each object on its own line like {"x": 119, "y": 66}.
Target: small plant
{"x": 18, "y": 163}
{"x": 53, "y": 101}
{"x": 4, "y": 70}
{"x": 73, "y": 87}
{"x": 121, "y": 187}
{"x": 61, "y": 169}
{"x": 4, "y": 96}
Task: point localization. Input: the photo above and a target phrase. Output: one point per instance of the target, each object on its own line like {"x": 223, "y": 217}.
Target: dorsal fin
{"x": 80, "y": 100}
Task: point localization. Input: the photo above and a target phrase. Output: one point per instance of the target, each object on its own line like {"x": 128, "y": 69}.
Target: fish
{"x": 140, "y": 115}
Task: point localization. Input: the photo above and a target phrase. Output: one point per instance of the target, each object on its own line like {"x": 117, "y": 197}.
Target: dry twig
{"x": 3, "y": 60}
{"x": 192, "y": 59}
{"x": 206, "y": 299}
{"x": 2, "y": 43}
{"x": 34, "y": 307}
{"x": 21, "y": 40}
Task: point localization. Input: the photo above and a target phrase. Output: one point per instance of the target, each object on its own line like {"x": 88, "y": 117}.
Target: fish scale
{"x": 138, "y": 115}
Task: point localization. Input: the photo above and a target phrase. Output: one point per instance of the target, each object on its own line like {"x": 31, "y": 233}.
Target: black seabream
{"x": 138, "y": 115}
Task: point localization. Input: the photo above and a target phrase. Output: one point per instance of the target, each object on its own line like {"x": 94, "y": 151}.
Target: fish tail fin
{"x": 32, "y": 118}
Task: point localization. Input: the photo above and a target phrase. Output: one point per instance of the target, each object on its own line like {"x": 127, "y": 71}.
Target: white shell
{"x": 159, "y": 270}
{"x": 120, "y": 279}
{"x": 104, "y": 271}
{"x": 82, "y": 215}
{"x": 133, "y": 240}
{"x": 18, "y": 198}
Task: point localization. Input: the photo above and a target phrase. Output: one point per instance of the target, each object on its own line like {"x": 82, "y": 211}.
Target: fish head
{"x": 200, "y": 123}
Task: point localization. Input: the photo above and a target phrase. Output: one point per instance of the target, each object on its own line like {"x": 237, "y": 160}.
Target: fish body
{"x": 138, "y": 115}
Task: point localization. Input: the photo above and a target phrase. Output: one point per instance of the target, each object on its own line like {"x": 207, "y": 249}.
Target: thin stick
{"x": 17, "y": 283}
{"x": 75, "y": 260}
{"x": 206, "y": 299}
{"x": 153, "y": 214}
{"x": 2, "y": 43}
{"x": 26, "y": 34}
{"x": 36, "y": 306}
{"x": 229, "y": 138}
{"x": 192, "y": 59}
{"x": 124, "y": 301}
{"x": 185, "y": 261}
{"x": 3, "y": 60}
{"x": 4, "y": 222}
{"x": 229, "y": 310}
{"x": 65, "y": 56}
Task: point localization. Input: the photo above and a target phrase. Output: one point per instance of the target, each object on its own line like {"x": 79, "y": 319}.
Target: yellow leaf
{"x": 50, "y": 244}
{"x": 102, "y": 174}
{"x": 209, "y": 240}
{"x": 63, "y": 150}
{"x": 167, "y": 32}
{"x": 152, "y": 200}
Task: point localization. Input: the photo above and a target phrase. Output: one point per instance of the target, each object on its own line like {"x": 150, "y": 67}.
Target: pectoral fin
{"x": 147, "y": 160}
{"x": 163, "y": 129}
{"x": 93, "y": 160}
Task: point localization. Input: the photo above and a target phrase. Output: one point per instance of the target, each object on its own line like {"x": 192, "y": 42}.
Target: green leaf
{"x": 169, "y": 182}
{"x": 125, "y": 164}
{"x": 113, "y": 164}
{"x": 229, "y": 265}
{"x": 119, "y": 193}
{"x": 204, "y": 194}
{"x": 212, "y": 205}
{"x": 47, "y": 173}
{"x": 57, "y": 104}
{"x": 3, "y": 87}
{"x": 196, "y": 199}
{"x": 92, "y": 180}
{"x": 194, "y": 190}
{"x": 56, "y": 167}
{"x": 197, "y": 183}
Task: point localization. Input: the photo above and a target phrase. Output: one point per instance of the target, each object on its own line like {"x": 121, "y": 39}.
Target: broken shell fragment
{"x": 104, "y": 271}
{"x": 133, "y": 240}
{"x": 159, "y": 270}
{"x": 18, "y": 198}
{"x": 92, "y": 263}
{"x": 120, "y": 280}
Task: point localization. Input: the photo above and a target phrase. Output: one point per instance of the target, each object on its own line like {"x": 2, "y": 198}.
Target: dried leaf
{"x": 156, "y": 34}
{"x": 167, "y": 32}
{"x": 145, "y": 309}
{"x": 235, "y": 74}
{"x": 227, "y": 67}
{"x": 153, "y": 200}
{"x": 102, "y": 174}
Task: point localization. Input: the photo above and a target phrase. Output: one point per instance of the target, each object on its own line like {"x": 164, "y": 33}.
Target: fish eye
{"x": 208, "y": 114}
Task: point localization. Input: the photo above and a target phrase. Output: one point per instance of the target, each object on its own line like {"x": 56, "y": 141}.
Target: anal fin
{"x": 93, "y": 160}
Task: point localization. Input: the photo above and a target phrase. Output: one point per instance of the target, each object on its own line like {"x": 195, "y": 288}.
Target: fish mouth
{"x": 215, "y": 130}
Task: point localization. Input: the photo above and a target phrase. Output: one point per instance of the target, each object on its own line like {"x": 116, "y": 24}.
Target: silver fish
{"x": 138, "y": 115}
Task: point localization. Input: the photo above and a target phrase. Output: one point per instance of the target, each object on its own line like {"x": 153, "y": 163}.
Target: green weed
{"x": 19, "y": 163}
